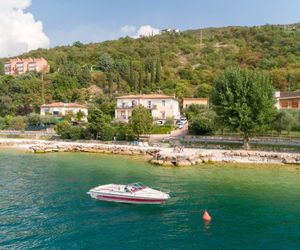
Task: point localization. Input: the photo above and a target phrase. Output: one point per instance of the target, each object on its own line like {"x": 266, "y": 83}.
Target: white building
{"x": 170, "y": 30}
{"x": 160, "y": 106}
{"x": 61, "y": 109}
{"x": 287, "y": 100}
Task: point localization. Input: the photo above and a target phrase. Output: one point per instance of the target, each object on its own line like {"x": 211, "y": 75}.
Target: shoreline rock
{"x": 155, "y": 155}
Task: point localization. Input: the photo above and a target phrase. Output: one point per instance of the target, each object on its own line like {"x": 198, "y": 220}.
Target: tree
{"x": 18, "y": 123}
{"x": 79, "y": 115}
{"x": 63, "y": 88}
{"x": 152, "y": 72}
{"x": 34, "y": 119}
{"x": 285, "y": 120}
{"x": 95, "y": 121}
{"x": 105, "y": 63}
{"x": 1, "y": 67}
{"x": 63, "y": 129}
{"x": 141, "y": 120}
{"x": 5, "y": 105}
{"x": 201, "y": 126}
{"x": 244, "y": 100}
{"x": 100, "y": 124}
{"x": 158, "y": 72}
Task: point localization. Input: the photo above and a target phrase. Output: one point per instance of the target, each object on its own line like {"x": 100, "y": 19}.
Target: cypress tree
{"x": 157, "y": 76}
{"x": 146, "y": 73}
{"x": 140, "y": 86}
{"x": 152, "y": 71}
{"x": 131, "y": 74}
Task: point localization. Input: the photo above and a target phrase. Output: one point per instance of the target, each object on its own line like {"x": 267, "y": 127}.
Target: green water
{"x": 43, "y": 205}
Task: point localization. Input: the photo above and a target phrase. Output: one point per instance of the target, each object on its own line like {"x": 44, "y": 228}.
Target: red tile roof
{"x": 150, "y": 96}
{"x": 61, "y": 104}
{"x": 288, "y": 95}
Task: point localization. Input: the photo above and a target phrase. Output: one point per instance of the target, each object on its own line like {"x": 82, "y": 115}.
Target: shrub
{"x": 75, "y": 133}
{"x": 161, "y": 129}
{"x": 18, "y": 123}
{"x": 107, "y": 132}
{"x": 63, "y": 129}
{"x": 201, "y": 126}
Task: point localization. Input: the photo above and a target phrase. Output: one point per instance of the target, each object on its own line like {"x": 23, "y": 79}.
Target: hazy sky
{"x": 57, "y": 22}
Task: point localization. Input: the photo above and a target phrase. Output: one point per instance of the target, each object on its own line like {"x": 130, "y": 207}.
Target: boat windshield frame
{"x": 134, "y": 187}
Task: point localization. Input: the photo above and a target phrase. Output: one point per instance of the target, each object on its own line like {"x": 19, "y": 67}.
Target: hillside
{"x": 184, "y": 64}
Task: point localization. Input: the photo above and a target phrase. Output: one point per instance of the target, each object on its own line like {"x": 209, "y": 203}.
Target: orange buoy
{"x": 206, "y": 216}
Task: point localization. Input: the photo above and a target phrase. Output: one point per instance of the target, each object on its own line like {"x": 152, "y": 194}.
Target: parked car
{"x": 180, "y": 125}
{"x": 183, "y": 119}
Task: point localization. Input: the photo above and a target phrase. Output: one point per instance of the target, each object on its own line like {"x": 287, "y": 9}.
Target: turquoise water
{"x": 43, "y": 205}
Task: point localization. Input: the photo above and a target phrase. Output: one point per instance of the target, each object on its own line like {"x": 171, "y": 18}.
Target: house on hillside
{"x": 160, "y": 106}
{"x": 169, "y": 30}
{"x": 17, "y": 66}
{"x": 60, "y": 109}
{"x": 287, "y": 100}
{"x": 186, "y": 102}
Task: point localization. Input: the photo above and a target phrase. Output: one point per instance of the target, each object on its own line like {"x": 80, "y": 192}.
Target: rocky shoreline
{"x": 157, "y": 155}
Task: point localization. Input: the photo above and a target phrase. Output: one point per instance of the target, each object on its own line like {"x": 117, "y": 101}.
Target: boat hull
{"x": 135, "y": 193}
{"x": 134, "y": 200}
{"x": 127, "y": 199}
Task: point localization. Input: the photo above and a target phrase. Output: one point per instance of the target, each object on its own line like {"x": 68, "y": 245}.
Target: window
{"x": 295, "y": 104}
{"x": 55, "y": 112}
{"x": 284, "y": 104}
{"x": 163, "y": 114}
{"x": 163, "y": 102}
{"x": 149, "y": 105}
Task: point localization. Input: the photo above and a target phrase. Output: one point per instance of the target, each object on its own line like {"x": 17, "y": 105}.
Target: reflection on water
{"x": 44, "y": 205}
{"x": 207, "y": 227}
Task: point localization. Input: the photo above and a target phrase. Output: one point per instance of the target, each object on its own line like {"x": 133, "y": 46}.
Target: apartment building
{"x": 17, "y": 66}
{"x": 61, "y": 109}
{"x": 160, "y": 106}
{"x": 287, "y": 100}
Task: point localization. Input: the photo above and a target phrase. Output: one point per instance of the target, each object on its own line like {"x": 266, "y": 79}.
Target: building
{"x": 170, "y": 30}
{"x": 160, "y": 106}
{"x": 199, "y": 101}
{"x": 17, "y": 66}
{"x": 61, "y": 109}
{"x": 287, "y": 100}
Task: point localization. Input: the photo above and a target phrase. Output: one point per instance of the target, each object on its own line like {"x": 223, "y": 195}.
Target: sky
{"x": 30, "y": 24}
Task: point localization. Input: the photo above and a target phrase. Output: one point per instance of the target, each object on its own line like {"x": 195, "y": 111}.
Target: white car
{"x": 180, "y": 125}
{"x": 183, "y": 120}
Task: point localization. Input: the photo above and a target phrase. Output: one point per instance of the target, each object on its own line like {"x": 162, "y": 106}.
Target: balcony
{"x": 125, "y": 106}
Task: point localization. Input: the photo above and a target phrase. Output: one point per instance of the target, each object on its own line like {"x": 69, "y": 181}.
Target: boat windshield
{"x": 135, "y": 187}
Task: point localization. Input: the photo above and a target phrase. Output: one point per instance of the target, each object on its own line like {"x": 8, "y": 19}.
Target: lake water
{"x": 44, "y": 205}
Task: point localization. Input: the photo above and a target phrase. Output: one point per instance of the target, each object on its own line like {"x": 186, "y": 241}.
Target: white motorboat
{"x": 131, "y": 193}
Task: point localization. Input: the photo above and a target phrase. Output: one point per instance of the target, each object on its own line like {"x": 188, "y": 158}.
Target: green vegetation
{"x": 202, "y": 120}
{"x": 179, "y": 64}
{"x": 141, "y": 121}
{"x": 244, "y": 101}
{"x": 172, "y": 63}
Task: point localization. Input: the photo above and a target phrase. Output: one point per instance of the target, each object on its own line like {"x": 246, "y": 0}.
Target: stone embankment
{"x": 157, "y": 155}
{"x": 239, "y": 156}
{"x": 93, "y": 148}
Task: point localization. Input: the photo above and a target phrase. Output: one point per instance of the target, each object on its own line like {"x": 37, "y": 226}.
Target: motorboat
{"x": 131, "y": 193}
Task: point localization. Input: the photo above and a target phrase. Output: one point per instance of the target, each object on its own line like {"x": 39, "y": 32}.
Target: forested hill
{"x": 184, "y": 64}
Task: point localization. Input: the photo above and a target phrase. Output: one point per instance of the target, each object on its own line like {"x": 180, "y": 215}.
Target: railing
{"x": 237, "y": 139}
{"x": 47, "y": 132}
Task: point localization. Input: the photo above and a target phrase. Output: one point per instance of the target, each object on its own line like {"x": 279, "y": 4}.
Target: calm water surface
{"x": 43, "y": 205}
